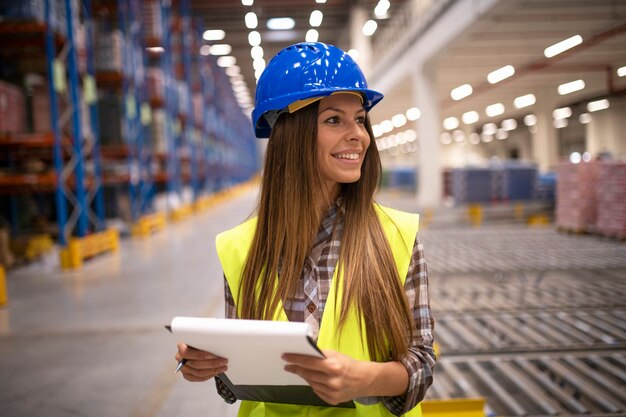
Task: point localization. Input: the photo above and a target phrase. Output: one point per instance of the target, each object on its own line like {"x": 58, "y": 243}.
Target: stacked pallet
{"x": 576, "y": 196}
{"x": 611, "y": 199}
{"x": 12, "y": 109}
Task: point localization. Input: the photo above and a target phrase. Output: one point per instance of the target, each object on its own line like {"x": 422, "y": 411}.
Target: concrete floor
{"x": 91, "y": 342}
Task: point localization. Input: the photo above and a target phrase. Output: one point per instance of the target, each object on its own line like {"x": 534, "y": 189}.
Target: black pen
{"x": 180, "y": 365}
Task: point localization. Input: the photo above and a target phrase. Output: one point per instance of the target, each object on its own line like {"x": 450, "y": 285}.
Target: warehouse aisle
{"x": 92, "y": 342}
{"x": 507, "y": 298}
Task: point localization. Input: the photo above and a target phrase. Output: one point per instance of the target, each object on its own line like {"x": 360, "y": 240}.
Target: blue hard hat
{"x": 303, "y": 71}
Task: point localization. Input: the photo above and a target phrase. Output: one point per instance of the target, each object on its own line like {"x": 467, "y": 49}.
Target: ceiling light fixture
{"x": 354, "y": 54}
{"x": 500, "y": 74}
{"x": 251, "y": 20}
{"x": 494, "y": 110}
{"x": 571, "y": 87}
{"x": 530, "y": 120}
{"x": 316, "y": 18}
{"x": 413, "y": 114}
{"x": 489, "y": 129}
{"x": 598, "y": 105}
{"x": 584, "y": 118}
{"x": 524, "y": 101}
{"x": 470, "y": 117}
{"x": 561, "y": 113}
{"x": 509, "y": 124}
{"x": 450, "y": 123}
{"x": 247, "y": 2}
{"x": 226, "y": 61}
{"x": 254, "y": 38}
{"x": 213, "y": 35}
{"x": 560, "y": 123}
{"x": 281, "y": 23}
{"x": 312, "y": 35}
{"x": 369, "y": 27}
{"x": 381, "y": 9}
{"x": 233, "y": 71}
{"x": 562, "y": 46}
{"x": 256, "y": 52}
{"x": 386, "y": 125}
{"x": 220, "y": 49}
{"x": 461, "y": 92}
{"x": 621, "y": 71}
{"x": 398, "y": 120}
{"x": 205, "y": 50}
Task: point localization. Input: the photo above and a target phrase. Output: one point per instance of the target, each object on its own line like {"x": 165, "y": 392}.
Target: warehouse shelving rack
{"x": 77, "y": 179}
{"x": 136, "y": 115}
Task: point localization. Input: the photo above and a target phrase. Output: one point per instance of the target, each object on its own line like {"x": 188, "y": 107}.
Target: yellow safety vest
{"x": 232, "y": 248}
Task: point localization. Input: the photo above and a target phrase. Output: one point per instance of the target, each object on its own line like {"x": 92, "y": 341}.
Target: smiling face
{"x": 342, "y": 140}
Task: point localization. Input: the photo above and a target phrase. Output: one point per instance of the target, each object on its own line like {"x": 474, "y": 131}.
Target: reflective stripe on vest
{"x": 400, "y": 228}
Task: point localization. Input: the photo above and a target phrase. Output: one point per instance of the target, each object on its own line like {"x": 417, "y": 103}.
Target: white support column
{"x": 605, "y": 133}
{"x": 544, "y": 138}
{"x": 358, "y": 41}
{"x": 430, "y": 181}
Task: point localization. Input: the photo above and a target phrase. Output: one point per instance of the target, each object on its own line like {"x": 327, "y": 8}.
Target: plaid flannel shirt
{"x": 309, "y": 302}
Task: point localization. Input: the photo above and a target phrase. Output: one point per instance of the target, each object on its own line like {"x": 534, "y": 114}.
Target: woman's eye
{"x": 333, "y": 120}
{"x": 360, "y": 119}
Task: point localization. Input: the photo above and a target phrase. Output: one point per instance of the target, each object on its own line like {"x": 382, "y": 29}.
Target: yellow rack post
{"x": 454, "y": 407}
{"x": 181, "y": 213}
{"x": 4, "y": 298}
{"x": 79, "y": 249}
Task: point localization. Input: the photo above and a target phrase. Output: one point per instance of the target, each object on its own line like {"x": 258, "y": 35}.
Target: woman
{"x": 322, "y": 251}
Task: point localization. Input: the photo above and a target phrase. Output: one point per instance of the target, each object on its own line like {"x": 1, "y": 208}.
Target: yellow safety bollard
{"x": 475, "y": 213}
{"x": 4, "y": 298}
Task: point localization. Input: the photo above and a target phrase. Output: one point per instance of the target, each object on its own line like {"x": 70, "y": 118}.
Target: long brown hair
{"x": 288, "y": 221}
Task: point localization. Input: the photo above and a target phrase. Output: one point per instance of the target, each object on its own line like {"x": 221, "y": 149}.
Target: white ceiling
{"x": 516, "y": 32}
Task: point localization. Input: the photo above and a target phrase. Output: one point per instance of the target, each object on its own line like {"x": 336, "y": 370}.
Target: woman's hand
{"x": 335, "y": 379}
{"x": 200, "y": 365}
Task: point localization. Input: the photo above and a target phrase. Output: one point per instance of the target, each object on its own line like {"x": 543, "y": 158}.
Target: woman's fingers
{"x": 199, "y": 365}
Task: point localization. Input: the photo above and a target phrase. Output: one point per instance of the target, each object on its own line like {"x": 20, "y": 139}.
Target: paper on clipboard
{"x": 253, "y": 347}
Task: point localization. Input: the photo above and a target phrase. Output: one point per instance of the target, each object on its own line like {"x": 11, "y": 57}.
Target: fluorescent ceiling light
{"x": 398, "y": 120}
{"x": 312, "y": 35}
{"x": 205, "y": 50}
{"x": 369, "y": 27}
{"x": 509, "y": 124}
{"x": 490, "y": 129}
{"x": 562, "y": 46}
{"x": 560, "y": 123}
{"x": 494, "y": 110}
{"x": 502, "y": 134}
{"x": 221, "y": 49}
{"x": 410, "y": 135}
{"x": 251, "y": 20}
{"x": 213, "y": 35}
{"x": 254, "y": 38}
{"x": 233, "y": 71}
{"x": 524, "y": 101}
{"x": 226, "y": 61}
{"x": 257, "y": 74}
{"x": 354, "y": 54}
{"x": 316, "y": 18}
{"x": 621, "y": 71}
{"x": 458, "y": 135}
{"x": 378, "y": 131}
{"x": 500, "y": 74}
{"x": 530, "y": 120}
{"x": 470, "y": 117}
{"x": 320, "y": 1}
{"x": 485, "y": 137}
{"x": 562, "y": 113}
{"x": 413, "y": 114}
{"x": 571, "y": 87}
{"x": 256, "y": 52}
{"x": 461, "y": 92}
{"x": 575, "y": 157}
{"x": 282, "y": 36}
{"x": 281, "y": 23}
{"x": 474, "y": 139}
{"x": 386, "y": 125}
{"x": 381, "y": 9}
{"x": 155, "y": 49}
{"x": 247, "y": 2}
{"x": 445, "y": 138}
{"x": 598, "y": 105}
{"x": 258, "y": 64}
{"x": 584, "y": 118}
{"x": 450, "y": 123}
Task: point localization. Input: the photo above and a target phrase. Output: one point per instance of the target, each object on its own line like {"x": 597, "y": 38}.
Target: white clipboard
{"x": 253, "y": 347}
